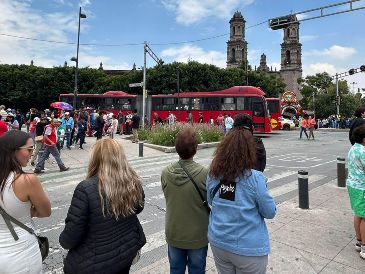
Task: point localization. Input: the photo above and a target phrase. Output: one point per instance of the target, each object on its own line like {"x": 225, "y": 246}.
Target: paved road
{"x": 286, "y": 155}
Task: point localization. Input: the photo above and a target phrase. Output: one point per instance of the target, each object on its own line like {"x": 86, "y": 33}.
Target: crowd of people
{"x": 227, "y": 208}
{"x": 103, "y": 211}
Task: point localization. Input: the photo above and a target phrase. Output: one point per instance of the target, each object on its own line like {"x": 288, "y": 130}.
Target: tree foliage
{"x": 24, "y": 86}
{"x": 322, "y": 87}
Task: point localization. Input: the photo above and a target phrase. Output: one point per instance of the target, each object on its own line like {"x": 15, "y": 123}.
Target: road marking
{"x": 154, "y": 184}
{"x": 283, "y": 189}
{"x": 278, "y": 176}
{"x": 300, "y": 167}
{"x": 156, "y": 197}
{"x": 154, "y": 241}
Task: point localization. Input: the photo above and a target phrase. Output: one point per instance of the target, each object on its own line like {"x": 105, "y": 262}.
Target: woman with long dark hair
{"x": 22, "y": 197}
{"x": 240, "y": 202}
{"x": 102, "y": 231}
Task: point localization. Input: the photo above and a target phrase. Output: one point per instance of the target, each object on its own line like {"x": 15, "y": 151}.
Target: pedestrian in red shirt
{"x": 311, "y": 124}
{"x": 3, "y": 126}
{"x": 304, "y": 126}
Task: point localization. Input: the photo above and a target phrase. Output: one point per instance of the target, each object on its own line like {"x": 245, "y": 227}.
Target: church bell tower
{"x": 291, "y": 58}
{"x": 237, "y": 46}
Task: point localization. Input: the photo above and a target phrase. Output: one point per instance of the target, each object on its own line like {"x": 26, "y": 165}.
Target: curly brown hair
{"x": 235, "y": 154}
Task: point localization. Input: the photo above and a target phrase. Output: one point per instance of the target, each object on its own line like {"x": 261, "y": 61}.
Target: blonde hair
{"x": 120, "y": 188}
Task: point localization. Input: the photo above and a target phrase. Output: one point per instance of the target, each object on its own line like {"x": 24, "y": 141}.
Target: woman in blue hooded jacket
{"x": 240, "y": 202}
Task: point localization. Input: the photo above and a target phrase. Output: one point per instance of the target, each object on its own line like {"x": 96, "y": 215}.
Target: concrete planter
{"x": 172, "y": 149}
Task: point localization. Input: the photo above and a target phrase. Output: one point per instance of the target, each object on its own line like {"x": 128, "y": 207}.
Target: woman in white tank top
{"x": 21, "y": 196}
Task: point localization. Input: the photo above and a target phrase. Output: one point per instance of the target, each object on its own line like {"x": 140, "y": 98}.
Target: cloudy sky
{"x": 176, "y": 30}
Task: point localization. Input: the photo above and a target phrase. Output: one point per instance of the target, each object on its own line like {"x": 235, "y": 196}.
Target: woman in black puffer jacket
{"x": 102, "y": 231}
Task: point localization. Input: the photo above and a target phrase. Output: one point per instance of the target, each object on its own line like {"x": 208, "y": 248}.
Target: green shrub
{"x": 166, "y": 135}
{"x": 143, "y": 134}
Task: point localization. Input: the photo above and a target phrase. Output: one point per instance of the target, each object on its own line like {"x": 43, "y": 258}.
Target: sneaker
{"x": 362, "y": 252}
{"x": 38, "y": 171}
{"x": 32, "y": 163}
{"x": 64, "y": 169}
{"x": 81, "y": 148}
{"x": 358, "y": 246}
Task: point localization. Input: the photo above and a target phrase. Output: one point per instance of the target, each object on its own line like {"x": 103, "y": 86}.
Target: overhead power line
{"x": 123, "y": 44}
{"x": 277, "y": 24}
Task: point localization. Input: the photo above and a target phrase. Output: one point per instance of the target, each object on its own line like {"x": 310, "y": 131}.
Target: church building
{"x": 291, "y": 52}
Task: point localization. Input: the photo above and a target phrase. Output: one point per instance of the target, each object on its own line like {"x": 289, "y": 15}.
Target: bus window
{"x": 273, "y": 106}
{"x": 228, "y": 103}
{"x": 184, "y": 103}
{"x": 156, "y": 103}
{"x": 168, "y": 103}
{"x": 210, "y": 103}
{"x": 195, "y": 105}
{"x": 241, "y": 103}
{"x": 108, "y": 103}
{"x": 258, "y": 106}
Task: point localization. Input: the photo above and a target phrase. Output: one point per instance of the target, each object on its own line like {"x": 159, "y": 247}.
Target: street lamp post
{"x": 76, "y": 59}
{"x": 178, "y": 92}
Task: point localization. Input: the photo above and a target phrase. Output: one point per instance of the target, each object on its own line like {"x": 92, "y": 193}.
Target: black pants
{"x": 98, "y": 135}
{"x": 81, "y": 136}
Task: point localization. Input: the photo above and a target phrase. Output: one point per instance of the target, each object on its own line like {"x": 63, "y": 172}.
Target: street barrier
{"x": 140, "y": 149}
{"x": 341, "y": 172}
{"x": 303, "y": 189}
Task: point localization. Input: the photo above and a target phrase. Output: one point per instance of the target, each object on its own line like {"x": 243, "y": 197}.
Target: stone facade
{"x": 237, "y": 45}
{"x": 291, "y": 53}
{"x": 291, "y": 58}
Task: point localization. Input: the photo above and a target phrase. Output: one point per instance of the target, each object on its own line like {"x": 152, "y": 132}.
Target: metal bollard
{"x": 303, "y": 189}
{"x": 140, "y": 149}
{"x": 341, "y": 172}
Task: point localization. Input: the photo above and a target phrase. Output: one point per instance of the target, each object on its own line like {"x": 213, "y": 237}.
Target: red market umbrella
{"x": 61, "y": 105}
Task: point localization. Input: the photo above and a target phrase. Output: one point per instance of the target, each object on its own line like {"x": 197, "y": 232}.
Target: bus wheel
{"x": 286, "y": 127}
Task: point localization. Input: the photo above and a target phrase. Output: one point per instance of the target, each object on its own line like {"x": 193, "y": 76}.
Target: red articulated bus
{"x": 274, "y": 107}
{"x": 110, "y": 101}
{"x": 238, "y": 99}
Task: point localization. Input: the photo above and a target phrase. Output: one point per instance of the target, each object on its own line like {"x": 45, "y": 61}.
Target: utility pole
{"x": 144, "y": 94}
{"x": 353, "y": 86}
{"x": 178, "y": 93}
{"x": 337, "y": 96}
{"x": 147, "y": 49}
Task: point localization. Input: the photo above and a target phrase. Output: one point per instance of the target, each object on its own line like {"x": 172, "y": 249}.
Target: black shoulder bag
{"x": 42, "y": 241}
{"x": 205, "y": 203}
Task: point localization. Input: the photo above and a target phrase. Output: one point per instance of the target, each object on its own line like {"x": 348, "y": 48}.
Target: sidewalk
{"x": 318, "y": 240}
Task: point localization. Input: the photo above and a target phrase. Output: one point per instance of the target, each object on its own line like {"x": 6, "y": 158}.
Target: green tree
{"x": 323, "y": 89}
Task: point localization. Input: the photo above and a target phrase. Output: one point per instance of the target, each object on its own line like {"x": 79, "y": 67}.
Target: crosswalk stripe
{"x": 154, "y": 241}
{"x": 281, "y": 175}
{"x": 286, "y": 188}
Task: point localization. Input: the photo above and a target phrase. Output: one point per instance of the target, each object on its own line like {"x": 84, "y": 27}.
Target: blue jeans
{"x": 68, "y": 139}
{"x": 303, "y": 129}
{"x": 195, "y": 259}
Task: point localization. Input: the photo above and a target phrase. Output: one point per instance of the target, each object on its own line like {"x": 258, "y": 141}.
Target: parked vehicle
{"x": 287, "y": 124}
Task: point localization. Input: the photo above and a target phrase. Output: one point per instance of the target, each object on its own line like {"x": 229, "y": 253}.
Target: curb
{"x": 172, "y": 149}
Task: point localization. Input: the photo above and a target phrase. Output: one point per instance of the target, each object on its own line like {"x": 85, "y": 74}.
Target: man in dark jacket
{"x": 358, "y": 121}
{"x": 135, "y": 126}
{"x": 99, "y": 126}
{"x": 245, "y": 122}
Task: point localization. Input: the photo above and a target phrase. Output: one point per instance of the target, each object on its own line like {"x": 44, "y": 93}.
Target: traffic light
{"x": 352, "y": 71}
{"x": 362, "y": 68}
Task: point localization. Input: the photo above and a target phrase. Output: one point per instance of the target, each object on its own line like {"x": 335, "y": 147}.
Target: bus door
{"x": 259, "y": 115}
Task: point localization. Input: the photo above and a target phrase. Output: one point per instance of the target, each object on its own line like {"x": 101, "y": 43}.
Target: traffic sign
{"x": 133, "y": 85}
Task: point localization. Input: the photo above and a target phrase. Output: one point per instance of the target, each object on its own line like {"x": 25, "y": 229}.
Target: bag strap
{"x": 205, "y": 203}
{"x": 215, "y": 190}
{"x": 8, "y": 219}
